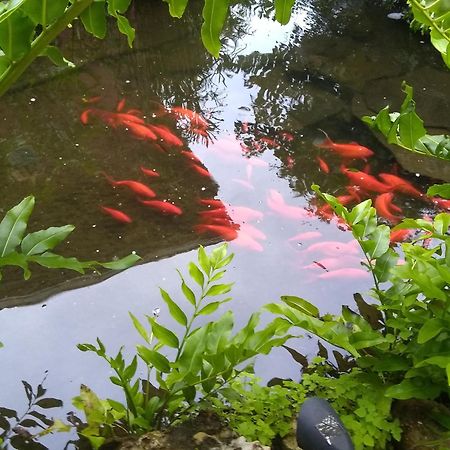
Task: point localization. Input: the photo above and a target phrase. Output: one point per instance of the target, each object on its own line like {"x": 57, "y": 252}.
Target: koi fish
{"x": 200, "y": 170}
{"x": 84, "y": 117}
{"x": 286, "y": 136}
{"x": 218, "y": 212}
{"x": 137, "y": 187}
{"x": 120, "y": 105}
{"x": 399, "y": 235}
{"x": 192, "y": 116}
{"x": 252, "y": 231}
{"x": 290, "y": 162}
{"x": 348, "y": 272}
{"x": 398, "y": 184}
{"x": 212, "y": 202}
{"x": 149, "y": 172}
{"x": 166, "y": 135}
{"x": 332, "y": 263}
{"x": 246, "y": 241}
{"x": 116, "y": 214}
{"x": 323, "y": 165}
{"x": 91, "y": 99}
{"x": 224, "y": 221}
{"x": 227, "y": 233}
{"x": 244, "y": 214}
{"x": 383, "y": 205}
{"x": 337, "y": 248}
{"x": 353, "y": 150}
{"x": 305, "y": 236}
{"x": 191, "y": 156}
{"x": 269, "y": 142}
{"x": 163, "y": 206}
{"x": 140, "y": 131}
{"x": 276, "y": 203}
{"x": 440, "y": 202}
{"x": 126, "y": 118}
{"x": 365, "y": 181}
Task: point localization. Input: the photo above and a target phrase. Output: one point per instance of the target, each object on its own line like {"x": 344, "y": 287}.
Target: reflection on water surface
{"x": 264, "y": 103}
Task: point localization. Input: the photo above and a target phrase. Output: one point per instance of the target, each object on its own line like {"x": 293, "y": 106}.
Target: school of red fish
{"x": 239, "y": 223}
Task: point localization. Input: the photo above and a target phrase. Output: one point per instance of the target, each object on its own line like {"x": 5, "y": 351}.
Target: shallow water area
{"x": 264, "y": 102}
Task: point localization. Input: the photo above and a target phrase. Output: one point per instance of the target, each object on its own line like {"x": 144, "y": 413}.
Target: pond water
{"x": 64, "y": 138}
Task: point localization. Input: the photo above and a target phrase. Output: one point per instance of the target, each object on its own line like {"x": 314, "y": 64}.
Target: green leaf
{"x": 209, "y": 308}
{"x": 175, "y": 311}
{"x": 122, "y": 263}
{"x": 53, "y": 261}
{"x": 218, "y": 289}
{"x": 44, "y": 12}
{"x": 94, "y": 19}
{"x": 203, "y": 260}
{"x": 164, "y": 335}
{"x": 153, "y": 358}
{"x": 214, "y": 16}
{"x": 14, "y": 224}
{"x": 43, "y": 240}
{"x": 119, "y": 6}
{"x": 378, "y": 243}
{"x": 125, "y": 28}
{"x": 411, "y": 129}
{"x": 56, "y": 57}
{"x": 16, "y": 259}
{"x": 16, "y": 33}
{"x": 442, "y": 190}
{"x": 301, "y": 305}
{"x": 430, "y": 329}
{"x": 10, "y": 7}
{"x": 413, "y": 388}
{"x": 177, "y": 7}
{"x": 196, "y": 274}
{"x": 283, "y": 10}
{"x": 140, "y": 328}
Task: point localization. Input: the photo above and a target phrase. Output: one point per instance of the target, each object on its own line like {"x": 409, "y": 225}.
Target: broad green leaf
{"x": 175, "y": 311}
{"x": 5, "y": 62}
{"x": 384, "y": 265}
{"x": 119, "y": 6}
{"x": 125, "y": 28}
{"x": 218, "y": 289}
{"x": 177, "y": 7}
{"x": 196, "y": 274}
{"x": 56, "y": 57}
{"x": 214, "y": 16}
{"x": 430, "y": 329}
{"x": 155, "y": 359}
{"x": 18, "y": 260}
{"x": 14, "y": 224}
{"x": 122, "y": 263}
{"x": 10, "y": 7}
{"x": 44, "y": 12}
{"x": 442, "y": 190}
{"x": 283, "y": 10}
{"x": 413, "y": 388}
{"x": 140, "y": 328}
{"x": 43, "y": 240}
{"x": 378, "y": 242}
{"x": 203, "y": 260}
{"x": 209, "y": 308}
{"x": 16, "y": 34}
{"x": 94, "y": 19}
{"x": 53, "y": 261}
{"x": 164, "y": 335}
{"x": 301, "y": 304}
{"x": 441, "y": 223}
{"x": 411, "y": 129}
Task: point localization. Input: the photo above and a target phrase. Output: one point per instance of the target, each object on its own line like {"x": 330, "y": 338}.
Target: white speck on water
{"x": 77, "y": 145}
{"x": 32, "y": 99}
{"x": 203, "y": 188}
{"x": 133, "y": 252}
{"x": 417, "y": 174}
{"x": 153, "y": 115}
{"x": 60, "y": 157}
{"x": 93, "y": 226}
{"x": 120, "y": 237}
{"x": 127, "y": 81}
{"x": 97, "y": 251}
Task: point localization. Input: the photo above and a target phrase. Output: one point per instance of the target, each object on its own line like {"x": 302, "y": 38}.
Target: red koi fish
{"x": 149, "y": 172}
{"x": 440, "y": 202}
{"x": 335, "y": 248}
{"x": 323, "y": 165}
{"x": 116, "y": 214}
{"x": 348, "y": 272}
{"x": 120, "y": 105}
{"x": 365, "y": 181}
{"x": 223, "y": 221}
{"x": 218, "y": 212}
{"x": 276, "y": 203}
{"x": 305, "y": 236}
{"x": 84, "y": 117}
{"x": 200, "y": 170}
{"x": 353, "y": 150}
{"x": 269, "y": 142}
{"x": 244, "y": 214}
{"x": 191, "y": 156}
{"x": 126, "y": 118}
{"x": 290, "y": 162}
{"x": 383, "y": 205}
{"x": 212, "y": 202}
{"x": 252, "y": 231}
{"x": 135, "y": 186}
{"x": 286, "y": 136}
{"x": 192, "y": 116}
{"x": 246, "y": 241}
{"x": 166, "y": 135}
{"x": 227, "y": 233}
{"x": 91, "y": 99}
{"x": 399, "y": 235}
{"x": 163, "y": 206}
{"x": 398, "y": 184}
{"x": 140, "y": 131}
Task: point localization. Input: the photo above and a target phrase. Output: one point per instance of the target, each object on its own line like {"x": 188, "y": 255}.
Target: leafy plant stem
{"x": 432, "y": 21}
{"x": 15, "y": 70}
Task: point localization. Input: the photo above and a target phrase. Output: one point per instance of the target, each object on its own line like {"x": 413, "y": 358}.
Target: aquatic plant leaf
{"x": 177, "y": 7}
{"x": 163, "y": 334}
{"x": 120, "y": 6}
{"x": 14, "y": 224}
{"x": 175, "y": 311}
{"x": 442, "y": 190}
{"x": 120, "y": 264}
{"x": 209, "y": 308}
{"x": 43, "y": 240}
{"x": 378, "y": 242}
{"x": 16, "y": 33}
{"x": 125, "y": 28}
{"x": 412, "y": 388}
{"x": 203, "y": 260}
{"x": 44, "y": 12}
{"x": 53, "y": 261}
{"x": 300, "y": 304}
{"x": 18, "y": 260}
{"x": 140, "y": 328}
{"x": 94, "y": 19}
{"x": 56, "y": 57}
{"x": 196, "y": 274}
{"x": 430, "y": 329}
{"x": 218, "y": 289}
{"x": 214, "y": 15}
{"x": 283, "y": 9}
{"x": 153, "y": 358}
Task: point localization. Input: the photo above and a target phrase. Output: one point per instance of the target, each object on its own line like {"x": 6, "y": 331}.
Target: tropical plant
{"x": 434, "y": 16}
{"x": 405, "y": 129}
{"x": 19, "y": 250}
{"x": 403, "y": 339}
{"x": 202, "y": 363}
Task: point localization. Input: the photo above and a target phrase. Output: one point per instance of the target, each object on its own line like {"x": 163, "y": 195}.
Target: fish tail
{"x": 109, "y": 178}
{"x": 323, "y": 143}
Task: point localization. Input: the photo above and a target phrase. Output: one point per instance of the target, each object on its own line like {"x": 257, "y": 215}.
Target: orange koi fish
{"x": 120, "y": 105}
{"x": 335, "y": 248}
{"x": 191, "y": 156}
{"x": 163, "y": 206}
{"x": 135, "y": 186}
{"x": 384, "y": 207}
{"x": 140, "y": 131}
{"x": 244, "y": 214}
{"x": 365, "y": 181}
{"x": 84, "y": 117}
{"x": 276, "y": 203}
{"x": 126, "y": 118}
{"x": 247, "y": 241}
{"x": 306, "y": 236}
{"x": 212, "y": 202}
{"x": 192, "y": 116}
{"x": 399, "y": 235}
{"x": 116, "y": 214}
{"x": 398, "y": 184}
{"x": 252, "y": 231}
{"x": 218, "y": 212}
{"x": 323, "y": 165}
{"x": 149, "y": 172}
{"x": 166, "y": 135}
{"x": 226, "y": 222}
{"x": 290, "y": 162}
{"x": 91, "y": 99}
{"x": 440, "y": 202}
{"x": 348, "y": 272}
{"x": 352, "y": 150}
{"x": 200, "y": 170}
{"x": 227, "y": 233}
